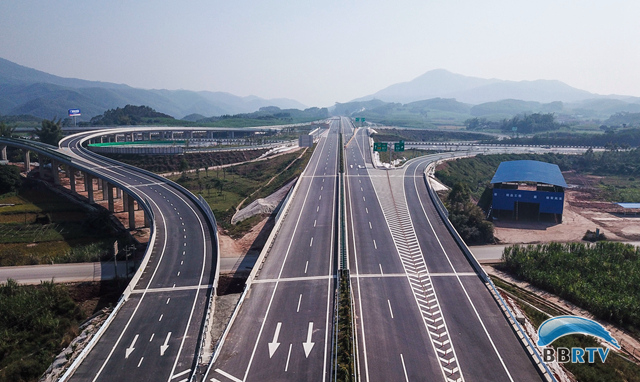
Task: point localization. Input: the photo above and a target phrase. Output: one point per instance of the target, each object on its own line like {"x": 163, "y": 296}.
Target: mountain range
{"x": 441, "y": 83}
{"x": 28, "y": 91}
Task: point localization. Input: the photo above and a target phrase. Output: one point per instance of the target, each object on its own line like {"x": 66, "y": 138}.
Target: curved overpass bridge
{"x": 156, "y": 329}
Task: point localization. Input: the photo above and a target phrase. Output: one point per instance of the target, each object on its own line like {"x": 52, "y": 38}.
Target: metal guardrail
{"x": 544, "y": 369}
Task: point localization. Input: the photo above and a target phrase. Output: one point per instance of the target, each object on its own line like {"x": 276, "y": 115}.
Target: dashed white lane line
{"x": 140, "y": 363}
{"x": 306, "y": 266}
{"x": 311, "y": 243}
{"x": 299, "y": 301}
{"x": 375, "y": 245}
{"x": 286, "y": 367}
{"x": 370, "y": 227}
{"x": 152, "y": 335}
{"x": 160, "y": 319}
{"x": 406, "y": 377}
{"x": 318, "y": 209}
{"x": 364, "y": 199}
{"x": 366, "y": 209}
{"x": 390, "y": 310}
{"x": 314, "y": 223}
{"x": 380, "y": 265}
{"x": 178, "y": 273}
{"x": 168, "y": 299}
{"x": 320, "y": 198}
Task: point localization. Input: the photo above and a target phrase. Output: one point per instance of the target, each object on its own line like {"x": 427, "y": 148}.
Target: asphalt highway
{"x": 283, "y": 330}
{"x": 155, "y": 335}
{"x": 422, "y": 313}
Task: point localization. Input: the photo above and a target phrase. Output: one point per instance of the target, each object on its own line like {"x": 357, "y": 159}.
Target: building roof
{"x": 529, "y": 171}
{"x": 629, "y": 205}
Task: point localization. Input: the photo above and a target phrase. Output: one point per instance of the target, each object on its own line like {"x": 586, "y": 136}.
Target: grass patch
{"x": 36, "y": 323}
{"x": 601, "y": 278}
{"x": 38, "y": 226}
{"x": 616, "y": 368}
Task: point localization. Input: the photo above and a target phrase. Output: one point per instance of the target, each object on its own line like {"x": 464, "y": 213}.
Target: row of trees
{"x": 526, "y": 124}
{"x": 602, "y": 278}
{"x": 467, "y": 218}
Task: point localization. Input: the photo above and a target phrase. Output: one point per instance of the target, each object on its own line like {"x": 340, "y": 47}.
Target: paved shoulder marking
{"x": 264, "y": 281}
{"x": 173, "y": 289}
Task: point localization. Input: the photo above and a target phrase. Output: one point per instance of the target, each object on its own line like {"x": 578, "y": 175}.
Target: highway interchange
{"x": 421, "y": 312}
{"x": 155, "y": 335}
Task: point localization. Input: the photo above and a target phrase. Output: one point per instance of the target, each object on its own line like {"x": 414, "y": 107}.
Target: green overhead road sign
{"x": 380, "y": 146}
{"x": 398, "y": 146}
{"x": 357, "y": 119}
{"x": 362, "y": 119}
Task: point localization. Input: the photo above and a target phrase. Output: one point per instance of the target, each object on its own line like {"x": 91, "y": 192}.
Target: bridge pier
{"x": 88, "y": 186}
{"x": 132, "y": 212}
{"x": 4, "y": 152}
{"x": 72, "y": 178}
{"x": 55, "y": 173}
{"x": 109, "y": 188}
{"x": 27, "y": 162}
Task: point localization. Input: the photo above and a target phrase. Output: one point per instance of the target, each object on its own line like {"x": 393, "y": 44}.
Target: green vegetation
{"x": 266, "y": 116}
{"x": 394, "y": 135}
{"x": 174, "y": 163}
{"x": 38, "y": 226}
{"x": 601, "y": 278}
{"x": 611, "y": 138}
{"x": 225, "y": 189}
{"x": 130, "y": 115}
{"x": 50, "y": 132}
{"x": 527, "y": 124}
{"x": 420, "y": 114}
{"x": 6, "y": 131}
{"x": 36, "y": 323}
{"x": 466, "y": 217}
{"x": 345, "y": 369}
{"x": 10, "y": 179}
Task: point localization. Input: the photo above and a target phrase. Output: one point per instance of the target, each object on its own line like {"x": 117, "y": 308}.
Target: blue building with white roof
{"x": 527, "y": 189}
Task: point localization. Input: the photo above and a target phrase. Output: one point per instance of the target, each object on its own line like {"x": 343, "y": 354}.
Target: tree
{"x": 10, "y": 179}
{"x": 50, "y": 132}
{"x": 6, "y": 131}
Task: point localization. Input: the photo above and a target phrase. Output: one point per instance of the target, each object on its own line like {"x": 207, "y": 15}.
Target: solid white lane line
{"x": 299, "y": 301}
{"x": 181, "y": 374}
{"x": 390, "y": 310}
{"x": 231, "y": 377}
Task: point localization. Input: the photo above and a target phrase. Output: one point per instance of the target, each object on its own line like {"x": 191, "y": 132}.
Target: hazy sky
{"x": 322, "y": 52}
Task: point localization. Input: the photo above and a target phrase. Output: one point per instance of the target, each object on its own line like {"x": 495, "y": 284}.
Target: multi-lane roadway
{"x": 283, "y": 330}
{"x": 155, "y": 336}
{"x": 422, "y": 313}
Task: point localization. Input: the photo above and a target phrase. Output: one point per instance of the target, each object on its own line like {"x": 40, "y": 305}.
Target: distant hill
{"x": 29, "y": 91}
{"x": 473, "y": 90}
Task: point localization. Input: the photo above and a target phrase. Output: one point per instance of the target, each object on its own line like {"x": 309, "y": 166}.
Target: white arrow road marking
{"x": 273, "y": 345}
{"x": 164, "y": 347}
{"x": 308, "y": 345}
{"x": 131, "y": 348}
